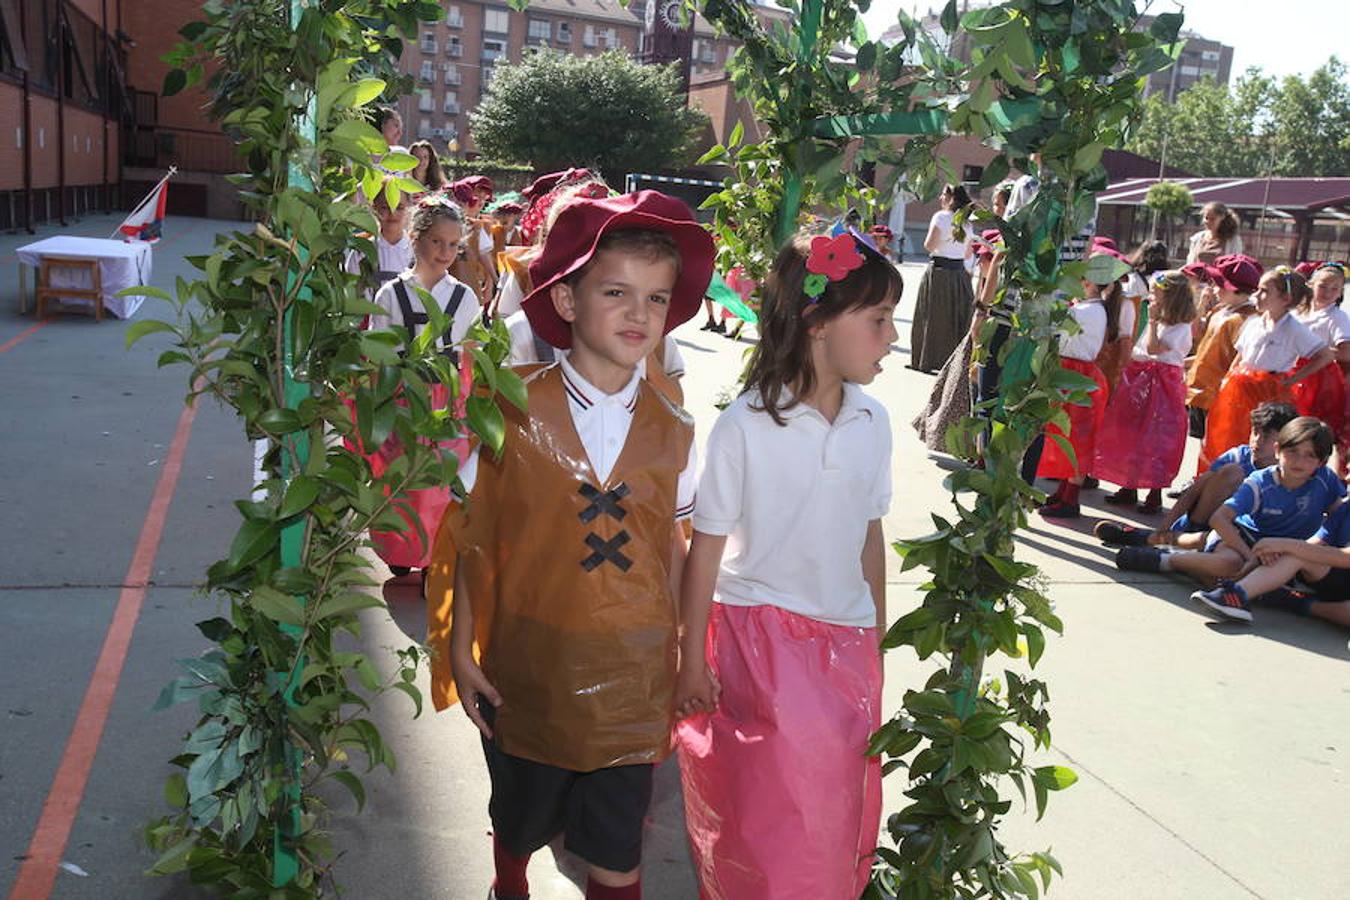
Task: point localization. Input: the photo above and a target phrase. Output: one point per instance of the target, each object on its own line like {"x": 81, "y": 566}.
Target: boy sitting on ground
{"x": 1188, "y": 521}
{"x": 1287, "y": 500}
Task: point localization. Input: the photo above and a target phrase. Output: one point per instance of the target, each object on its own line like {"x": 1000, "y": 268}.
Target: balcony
{"x": 455, "y": 49}
{"x": 451, "y": 109}
{"x": 454, "y": 20}
{"x": 429, "y": 46}
{"x": 453, "y": 78}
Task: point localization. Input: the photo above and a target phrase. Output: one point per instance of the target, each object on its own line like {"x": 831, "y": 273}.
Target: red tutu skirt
{"x": 1322, "y": 394}
{"x": 1143, "y": 436}
{"x": 1084, "y": 423}
{"x": 1230, "y": 418}
{"x": 781, "y": 800}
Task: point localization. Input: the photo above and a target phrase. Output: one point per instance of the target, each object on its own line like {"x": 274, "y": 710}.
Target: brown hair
{"x": 1307, "y": 429}
{"x": 781, "y": 361}
{"x": 647, "y": 243}
{"x": 1178, "y": 300}
{"x": 1292, "y": 286}
{"x": 435, "y": 178}
{"x": 1228, "y": 220}
{"x": 430, "y": 211}
{"x": 1113, "y": 295}
{"x": 1272, "y": 416}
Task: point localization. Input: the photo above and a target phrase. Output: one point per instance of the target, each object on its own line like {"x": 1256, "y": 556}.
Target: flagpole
{"x": 173, "y": 170}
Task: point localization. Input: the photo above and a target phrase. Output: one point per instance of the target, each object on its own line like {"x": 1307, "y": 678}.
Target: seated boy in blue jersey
{"x": 1321, "y": 562}
{"x": 1187, "y": 522}
{"x": 1286, "y": 500}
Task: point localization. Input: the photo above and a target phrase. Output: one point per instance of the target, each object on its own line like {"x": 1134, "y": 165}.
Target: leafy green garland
{"x": 284, "y": 706}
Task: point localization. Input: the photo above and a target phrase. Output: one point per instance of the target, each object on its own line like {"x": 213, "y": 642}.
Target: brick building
{"x": 1200, "y": 58}
{"x": 453, "y": 60}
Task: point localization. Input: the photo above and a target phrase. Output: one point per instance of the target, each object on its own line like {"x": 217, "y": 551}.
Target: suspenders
{"x": 413, "y": 320}
{"x": 543, "y": 350}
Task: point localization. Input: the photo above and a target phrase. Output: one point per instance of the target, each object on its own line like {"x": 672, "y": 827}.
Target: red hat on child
{"x": 991, "y": 236}
{"x": 882, "y": 231}
{"x": 1197, "y": 270}
{"x": 1236, "y": 272}
{"x": 1104, "y": 245}
{"x": 1306, "y": 269}
{"x": 572, "y": 243}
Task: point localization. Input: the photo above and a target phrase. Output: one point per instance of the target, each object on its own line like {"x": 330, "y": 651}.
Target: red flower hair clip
{"x": 831, "y": 259}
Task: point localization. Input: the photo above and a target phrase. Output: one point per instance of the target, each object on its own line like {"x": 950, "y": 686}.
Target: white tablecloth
{"x": 121, "y": 265}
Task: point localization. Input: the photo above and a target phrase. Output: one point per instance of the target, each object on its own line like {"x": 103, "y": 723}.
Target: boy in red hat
{"x": 563, "y": 638}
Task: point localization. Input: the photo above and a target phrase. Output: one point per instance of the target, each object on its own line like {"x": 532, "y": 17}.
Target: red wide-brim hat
{"x": 576, "y": 233}
{"x": 1237, "y": 272}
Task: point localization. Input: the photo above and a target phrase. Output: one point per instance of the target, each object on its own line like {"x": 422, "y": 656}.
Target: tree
{"x": 555, "y": 110}
{"x": 1296, "y": 128}
{"x": 1169, "y": 201}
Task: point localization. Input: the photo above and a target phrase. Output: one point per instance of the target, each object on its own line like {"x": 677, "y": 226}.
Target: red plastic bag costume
{"x": 1230, "y": 424}
{"x": 1084, "y": 424}
{"x": 1143, "y": 435}
{"x": 1322, "y": 394}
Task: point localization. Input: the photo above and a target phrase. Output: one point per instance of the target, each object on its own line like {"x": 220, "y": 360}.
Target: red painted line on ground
{"x": 18, "y": 338}
{"x": 38, "y": 873}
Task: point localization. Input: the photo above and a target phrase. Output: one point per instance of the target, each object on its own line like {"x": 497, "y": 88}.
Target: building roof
{"x": 606, "y": 10}
{"x": 1285, "y": 194}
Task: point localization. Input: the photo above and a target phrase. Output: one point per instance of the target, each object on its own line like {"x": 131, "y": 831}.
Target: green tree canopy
{"x": 1169, "y": 199}
{"x": 1295, "y": 128}
{"x": 554, "y": 110}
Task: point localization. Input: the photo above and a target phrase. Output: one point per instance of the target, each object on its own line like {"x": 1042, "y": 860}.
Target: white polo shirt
{"x": 1176, "y": 340}
{"x": 387, "y": 298}
{"x": 794, "y": 502}
{"x": 602, "y": 422}
{"x": 1275, "y": 348}
{"x": 1090, "y": 315}
{"x": 1331, "y": 324}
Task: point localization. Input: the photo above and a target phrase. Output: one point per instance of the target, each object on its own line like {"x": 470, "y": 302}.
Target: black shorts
{"x": 1333, "y": 588}
{"x": 600, "y": 814}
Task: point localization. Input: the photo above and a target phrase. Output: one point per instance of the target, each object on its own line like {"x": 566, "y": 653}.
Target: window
{"x": 496, "y": 21}
{"x": 540, "y": 30}
{"x": 972, "y": 174}
{"x": 453, "y": 46}
{"x": 452, "y": 75}
{"x": 611, "y": 38}
{"x": 1210, "y": 55}
{"x": 1190, "y": 70}
{"x": 428, "y": 70}
{"x": 423, "y": 128}
{"x": 564, "y": 33}
{"x": 588, "y": 36}
{"x": 484, "y": 79}
{"x": 451, "y": 105}
{"x": 424, "y": 101}
{"x": 493, "y": 50}
{"x": 708, "y": 52}
{"x": 428, "y": 42}
{"x": 454, "y": 18}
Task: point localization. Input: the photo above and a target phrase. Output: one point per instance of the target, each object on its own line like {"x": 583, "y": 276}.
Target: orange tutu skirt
{"x": 1230, "y": 423}
{"x": 1322, "y": 395}
{"x": 1084, "y": 424}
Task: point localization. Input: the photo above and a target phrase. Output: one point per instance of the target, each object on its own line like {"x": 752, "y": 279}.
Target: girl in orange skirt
{"x": 1098, "y": 319}
{"x": 1265, "y": 368}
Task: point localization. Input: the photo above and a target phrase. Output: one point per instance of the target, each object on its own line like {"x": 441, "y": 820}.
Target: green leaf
{"x": 1035, "y": 643}
{"x": 348, "y": 602}
{"x": 1166, "y": 27}
{"x": 175, "y": 859}
{"x": 398, "y": 161}
{"x": 367, "y": 89}
{"x": 1104, "y": 269}
{"x": 1056, "y": 778}
{"x": 737, "y": 134}
{"x": 174, "y": 81}
{"x": 950, "y": 17}
{"x": 255, "y": 538}
{"x": 140, "y": 329}
{"x": 280, "y": 420}
{"x": 352, "y": 782}
{"x": 487, "y": 422}
{"x": 300, "y": 493}
{"x": 512, "y": 387}
{"x": 175, "y": 790}
{"x": 277, "y": 606}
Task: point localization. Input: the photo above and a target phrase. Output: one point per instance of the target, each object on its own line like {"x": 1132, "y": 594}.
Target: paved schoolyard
{"x": 1212, "y": 758}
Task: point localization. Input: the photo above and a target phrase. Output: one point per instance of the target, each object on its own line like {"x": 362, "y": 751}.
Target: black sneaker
{"x": 1288, "y": 599}
{"x": 1227, "y": 600}
{"x": 1059, "y": 509}
{"x": 719, "y": 327}
{"x": 709, "y": 325}
{"x": 1091, "y": 484}
{"x": 1123, "y": 497}
{"x": 1139, "y": 559}
{"x": 1121, "y": 535}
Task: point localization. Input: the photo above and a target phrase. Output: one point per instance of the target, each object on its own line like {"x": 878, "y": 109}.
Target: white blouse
{"x": 1176, "y": 340}
{"x": 1331, "y": 324}
{"x": 948, "y": 246}
{"x": 1087, "y": 343}
{"x": 1275, "y": 348}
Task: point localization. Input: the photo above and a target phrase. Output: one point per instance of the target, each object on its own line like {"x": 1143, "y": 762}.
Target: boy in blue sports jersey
{"x": 1287, "y": 500}
{"x": 1188, "y": 521}
{"x": 1321, "y": 562}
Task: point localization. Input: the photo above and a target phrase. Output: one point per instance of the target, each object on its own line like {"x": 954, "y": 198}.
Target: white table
{"x": 121, "y": 264}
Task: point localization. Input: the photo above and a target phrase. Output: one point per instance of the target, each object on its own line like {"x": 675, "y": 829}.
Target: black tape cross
{"x": 607, "y": 502}
{"x": 606, "y": 551}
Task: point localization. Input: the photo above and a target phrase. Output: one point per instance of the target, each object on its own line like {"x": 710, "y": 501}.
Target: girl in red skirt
{"x": 1098, "y": 319}
{"x": 1323, "y": 394}
{"x": 1269, "y": 348}
{"x": 1143, "y": 436}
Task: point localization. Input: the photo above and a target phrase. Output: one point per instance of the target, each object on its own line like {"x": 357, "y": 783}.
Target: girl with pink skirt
{"x": 783, "y": 592}
{"x": 1143, "y": 435}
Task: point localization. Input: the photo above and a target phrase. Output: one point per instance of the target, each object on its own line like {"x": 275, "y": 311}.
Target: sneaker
{"x": 1139, "y": 559}
{"x": 709, "y": 325}
{"x": 1058, "y": 509}
{"x": 720, "y": 326}
{"x": 1228, "y": 600}
{"x": 1149, "y": 508}
{"x": 1091, "y": 484}
{"x": 1121, "y": 535}
{"x": 1288, "y": 599}
{"x": 1180, "y": 489}
{"x": 1123, "y": 497}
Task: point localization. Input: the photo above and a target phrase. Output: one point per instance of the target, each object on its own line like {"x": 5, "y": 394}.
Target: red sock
{"x": 510, "y": 883}
{"x": 1068, "y": 492}
{"x": 597, "y": 891}
{"x": 1058, "y": 495}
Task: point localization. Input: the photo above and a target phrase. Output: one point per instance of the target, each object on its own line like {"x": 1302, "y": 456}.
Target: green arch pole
{"x": 285, "y": 859}
{"x": 792, "y": 186}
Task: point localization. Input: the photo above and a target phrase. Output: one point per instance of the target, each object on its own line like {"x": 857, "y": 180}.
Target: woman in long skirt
{"x": 945, "y": 302}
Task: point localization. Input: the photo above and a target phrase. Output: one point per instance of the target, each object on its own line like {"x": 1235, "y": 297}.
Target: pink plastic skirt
{"x": 780, "y": 799}
{"x": 1084, "y": 423}
{"x": 1143, "y": 435}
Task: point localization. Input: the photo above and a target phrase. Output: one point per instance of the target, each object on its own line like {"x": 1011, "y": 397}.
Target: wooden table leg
{"x": 23, "y": 289}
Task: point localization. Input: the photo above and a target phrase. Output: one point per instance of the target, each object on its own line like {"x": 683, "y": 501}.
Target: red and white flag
{"x": 146, "y": 221}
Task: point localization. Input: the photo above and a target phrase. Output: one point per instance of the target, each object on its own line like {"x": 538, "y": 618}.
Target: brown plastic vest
{"x": 570, "y": 582}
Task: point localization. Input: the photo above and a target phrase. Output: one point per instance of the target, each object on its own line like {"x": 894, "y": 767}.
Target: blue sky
{"x": 1284, "y": 38}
